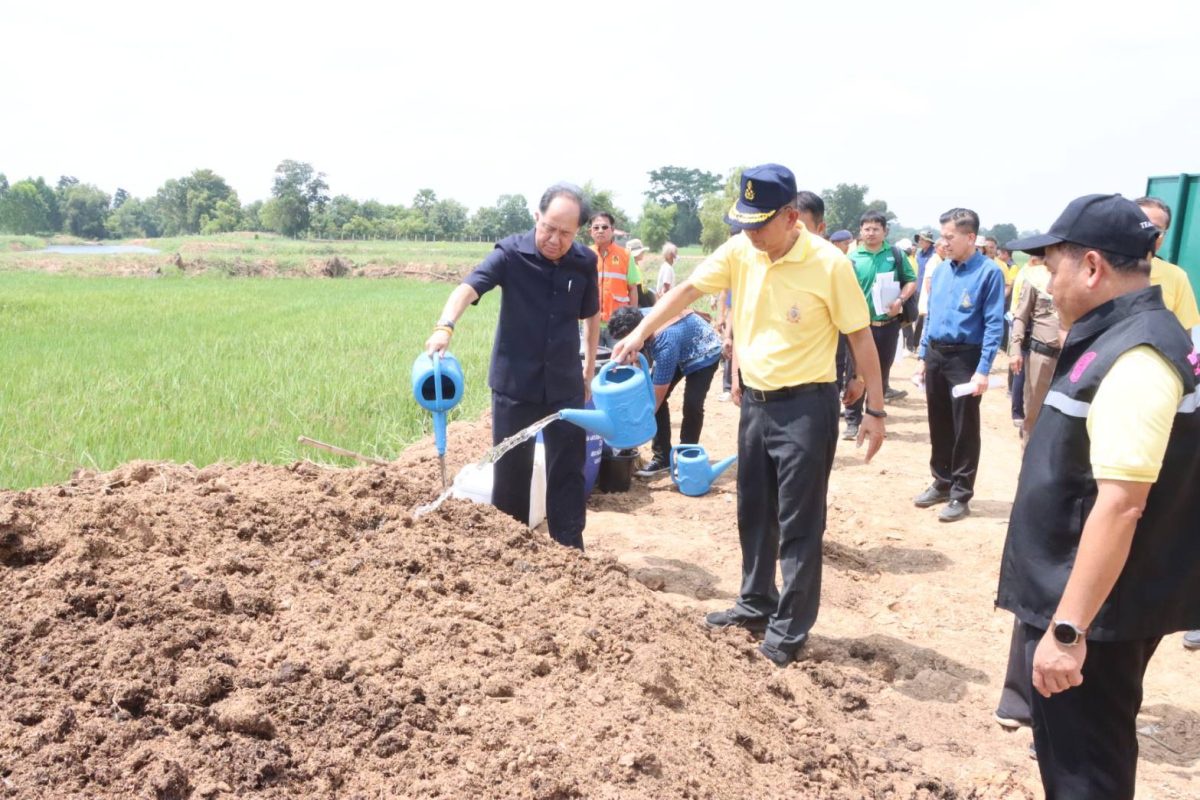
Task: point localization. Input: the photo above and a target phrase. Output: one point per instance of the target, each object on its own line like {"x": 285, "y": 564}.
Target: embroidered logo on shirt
{"x": 794, "y": 313}
{"x": 749, "y": 195}
{"x": 1082, "y": 364}
{"x": 966, "y": 301}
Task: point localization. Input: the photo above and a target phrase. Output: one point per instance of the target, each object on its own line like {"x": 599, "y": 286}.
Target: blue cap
{"x": 765, "y": 189}
{"x": 841, "y": 236}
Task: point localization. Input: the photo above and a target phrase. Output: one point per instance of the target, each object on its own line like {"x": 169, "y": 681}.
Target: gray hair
{"x": 568, "y": 190}
{"x": 669, "y": 247}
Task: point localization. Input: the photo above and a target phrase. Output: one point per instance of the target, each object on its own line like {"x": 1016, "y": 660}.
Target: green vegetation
{"x": 97, "y": 371}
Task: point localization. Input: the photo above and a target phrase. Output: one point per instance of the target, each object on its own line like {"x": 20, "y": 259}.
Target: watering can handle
{"x": 602, "y": 375}
{"x": 675, "y": 463}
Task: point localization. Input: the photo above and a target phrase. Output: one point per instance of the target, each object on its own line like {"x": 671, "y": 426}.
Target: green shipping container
{"x": 1182, "y": 245}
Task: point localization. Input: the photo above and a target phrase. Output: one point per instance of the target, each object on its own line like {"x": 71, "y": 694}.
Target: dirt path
{"x": 906, "y": 608}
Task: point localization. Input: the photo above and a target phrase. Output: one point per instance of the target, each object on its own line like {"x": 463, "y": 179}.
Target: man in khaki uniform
{"x": 1035, "y": 325}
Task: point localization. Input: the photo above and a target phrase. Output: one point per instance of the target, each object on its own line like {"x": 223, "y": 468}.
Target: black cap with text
{"x": 1107, "y": 222}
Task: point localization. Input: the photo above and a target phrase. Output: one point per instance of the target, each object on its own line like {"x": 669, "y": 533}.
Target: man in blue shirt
{"x": 958, "y": 345}
{"x": 686, "y": 349}
{"x": 549, "y": 284}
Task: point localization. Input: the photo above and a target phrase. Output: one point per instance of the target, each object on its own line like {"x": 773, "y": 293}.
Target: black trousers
{"x": 565, "y": 502}
{"x": 695, "y": 389}
{"x": 953, "y": 421}
{"x": 1016, "y": 698}
{"x": 785, "y": 454}
{"x": 1018, "y": 388}
{"x": 886, "y": 338}
{"x": 1086, "y": 737}
{"x": 727, "y": 374}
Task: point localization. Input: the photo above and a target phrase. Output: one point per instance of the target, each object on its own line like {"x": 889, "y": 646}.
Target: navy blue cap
{"x": 1107, "y": 222}
{"x": 841, "y": 236}
{"x": 765, "y": 189}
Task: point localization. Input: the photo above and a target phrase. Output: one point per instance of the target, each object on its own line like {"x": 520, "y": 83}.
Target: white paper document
{"x": 885, "y": 292}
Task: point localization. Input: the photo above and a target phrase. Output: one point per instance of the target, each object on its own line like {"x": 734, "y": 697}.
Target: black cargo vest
{"x": 1158, "y": 592}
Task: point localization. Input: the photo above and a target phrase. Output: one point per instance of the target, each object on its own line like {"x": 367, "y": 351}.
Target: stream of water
{"x": 491, "y": 457}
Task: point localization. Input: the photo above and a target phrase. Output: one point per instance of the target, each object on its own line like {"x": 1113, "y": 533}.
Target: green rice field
{"x": 96, "y": 371}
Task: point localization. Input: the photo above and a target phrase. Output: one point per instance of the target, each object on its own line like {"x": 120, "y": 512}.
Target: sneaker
{"x": 931, "y": 497}
{"x": 776, "y": 656}
{"x": 954, "y": 511}
{"x": 1009, "y": 723}
{"x": 851, "y": 432}
{"x": 1191, "y": 640}
{"x": 729, "y": 618}
{"x": 724, "y": 397}
{"x": 890, "y": 394}
{"x": 653, "y": 469}
{"x": 1018, "y": 422}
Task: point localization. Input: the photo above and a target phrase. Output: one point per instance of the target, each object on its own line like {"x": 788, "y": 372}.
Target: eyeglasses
{"x": 601, "y": 227}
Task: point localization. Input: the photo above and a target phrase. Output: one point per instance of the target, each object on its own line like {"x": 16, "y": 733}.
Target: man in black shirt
{"x": 550, "y": 284}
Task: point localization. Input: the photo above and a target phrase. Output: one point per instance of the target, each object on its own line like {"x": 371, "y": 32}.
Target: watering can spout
{"x": 721, "y": 466}
{"x": 591, "y": 420}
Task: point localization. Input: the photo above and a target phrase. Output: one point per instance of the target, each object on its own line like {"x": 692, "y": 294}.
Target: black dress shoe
{"x": 894, "y": 394}
{"x": 930, "y": 497}
{"x": 954, "y": 511}
{"x": 776, "y": 656}
{"x": 729, "y": 618}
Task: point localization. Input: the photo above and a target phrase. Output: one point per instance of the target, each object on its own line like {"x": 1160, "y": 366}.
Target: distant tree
{"x": 251, "y": 219}
{"x": 3, "y": 184}
{"x": 186, "y": 204}
{"x": 24, "y": 210}
{"x": 359, "y": 227}
{"x": 714, "y": 230}
{"x": 424, "y": 201}
{"x": 119, "y": 198}
{"x": 134, "y": 219}
{"x": 485, "y": 224}
{"x": 882, "y": 207}
{"x": 514, "y": 214}
{"x": 1005, "y": 232}
{"x": 450, "y": 218}
{"x": 85, "y": 210}
{"x": 65, "y": 182}
{"x": 684, "y": 188}
{"x": 297, "y": 193}
{"x": 844, "y": 205}
{"x": 226, "y": 217}
{"x": 656, "y": 224}
{"x": 50, "y": 198}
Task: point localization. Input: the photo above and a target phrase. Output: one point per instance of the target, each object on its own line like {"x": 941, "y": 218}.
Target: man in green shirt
{"x": 877, "y": 262}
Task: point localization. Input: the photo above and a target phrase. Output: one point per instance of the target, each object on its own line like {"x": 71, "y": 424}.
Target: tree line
{"x": 682, "y": 205}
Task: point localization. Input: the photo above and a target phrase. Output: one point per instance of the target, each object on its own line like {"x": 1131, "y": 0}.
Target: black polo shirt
{"x": 535, "y": 357}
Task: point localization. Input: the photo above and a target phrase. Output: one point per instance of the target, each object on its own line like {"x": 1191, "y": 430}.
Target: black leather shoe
{"x": 718, "y": 620}
{"x": 954, "y": 511}
{"x": 891, "y": 394}
{"x": 776, "y": 656}
{"x": 930, "y": 497}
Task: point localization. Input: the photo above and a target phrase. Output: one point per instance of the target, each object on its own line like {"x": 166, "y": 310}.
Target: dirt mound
{"x": 173, "y": 632}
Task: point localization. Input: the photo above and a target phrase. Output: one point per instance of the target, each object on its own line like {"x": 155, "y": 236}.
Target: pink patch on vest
{"x": 1194, "y": 360}
{"x": 1082, "y": 364}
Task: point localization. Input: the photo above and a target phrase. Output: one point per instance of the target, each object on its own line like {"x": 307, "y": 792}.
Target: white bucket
{"x": 474, "y": 482}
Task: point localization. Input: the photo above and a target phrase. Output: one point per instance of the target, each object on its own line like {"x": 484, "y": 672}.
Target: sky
{"x": 1010, "y": 108}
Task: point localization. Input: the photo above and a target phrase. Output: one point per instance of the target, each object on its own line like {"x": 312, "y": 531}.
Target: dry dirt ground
{"x": 171, "y": 632}
{"x": 907, "y": 602}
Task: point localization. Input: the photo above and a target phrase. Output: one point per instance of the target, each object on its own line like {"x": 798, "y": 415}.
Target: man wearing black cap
{"x": 1103, "y": 553}
{"x": 792, "y": 293}
{"x": 961, "y": 336}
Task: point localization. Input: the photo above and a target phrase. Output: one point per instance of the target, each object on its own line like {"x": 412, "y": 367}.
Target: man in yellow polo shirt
{"x": 1176, "y": 288}
{"x": 792, "y": 293}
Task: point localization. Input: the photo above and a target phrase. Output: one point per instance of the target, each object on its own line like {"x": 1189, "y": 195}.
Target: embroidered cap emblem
{"x": 749, "y": 193}
{"x": 1082, "y": 364}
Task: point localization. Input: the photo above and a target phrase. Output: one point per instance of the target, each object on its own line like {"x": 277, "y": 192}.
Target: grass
{"x": 96, "y": 371}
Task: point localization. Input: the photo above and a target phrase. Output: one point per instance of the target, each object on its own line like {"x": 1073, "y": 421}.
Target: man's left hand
{"x": 589, "y": 372}
{"x": 855, "y": 388}
{"x": 895, "y": 308}
{"x": 871, "y": 429}
{"x": 1056, "y": 667}
{"x": 981, "y": 383}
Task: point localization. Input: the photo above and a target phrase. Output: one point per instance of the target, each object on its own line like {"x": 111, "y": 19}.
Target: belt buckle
{"x": 758, "y": 395}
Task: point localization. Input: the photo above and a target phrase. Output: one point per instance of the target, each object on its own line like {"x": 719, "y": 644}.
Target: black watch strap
{"x": 445, "y": 323}
{"x": 881, "y": 414}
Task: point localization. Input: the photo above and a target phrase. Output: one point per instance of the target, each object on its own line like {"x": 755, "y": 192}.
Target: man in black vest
{"x": 1103, "y": 553}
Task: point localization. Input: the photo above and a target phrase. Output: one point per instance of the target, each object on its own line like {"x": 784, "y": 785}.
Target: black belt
{"x": 1044, "y": 349}
{"x": 953, "y": 347}
{"x": 760, "y": 396}
{"x": 883, "y": 323}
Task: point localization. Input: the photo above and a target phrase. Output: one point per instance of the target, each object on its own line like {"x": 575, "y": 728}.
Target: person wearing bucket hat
{"x": 793, "y": 292}
{"x": 1102, "y": 557}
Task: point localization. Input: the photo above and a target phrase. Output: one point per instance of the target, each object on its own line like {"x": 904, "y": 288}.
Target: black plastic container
{"x": 616, "y": 470}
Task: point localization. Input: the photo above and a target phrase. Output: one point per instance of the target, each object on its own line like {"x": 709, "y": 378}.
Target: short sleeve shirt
{"x": 1178, "y": 296}
{"x": 535, "y": 356}
{"x": 787, "y": 313}
{"x": 687, "y": 345}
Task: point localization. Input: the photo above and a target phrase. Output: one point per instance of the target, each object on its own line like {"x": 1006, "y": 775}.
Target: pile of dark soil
{"x": 173, "y": 632}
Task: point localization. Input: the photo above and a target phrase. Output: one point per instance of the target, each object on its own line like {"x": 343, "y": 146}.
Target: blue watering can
{"x": 437, "y": 384}
{"x": 691, "y": 471}
{"x": 624, "y": 399}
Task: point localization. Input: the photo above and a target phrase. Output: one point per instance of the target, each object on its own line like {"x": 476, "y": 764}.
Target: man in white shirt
{"x": 666, "y": 272}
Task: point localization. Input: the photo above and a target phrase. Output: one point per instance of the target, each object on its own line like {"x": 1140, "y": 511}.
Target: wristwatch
{"x": 1068, "y": 634}
{"x": 881, "y": 414}
{"x": 445, "y": 323}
